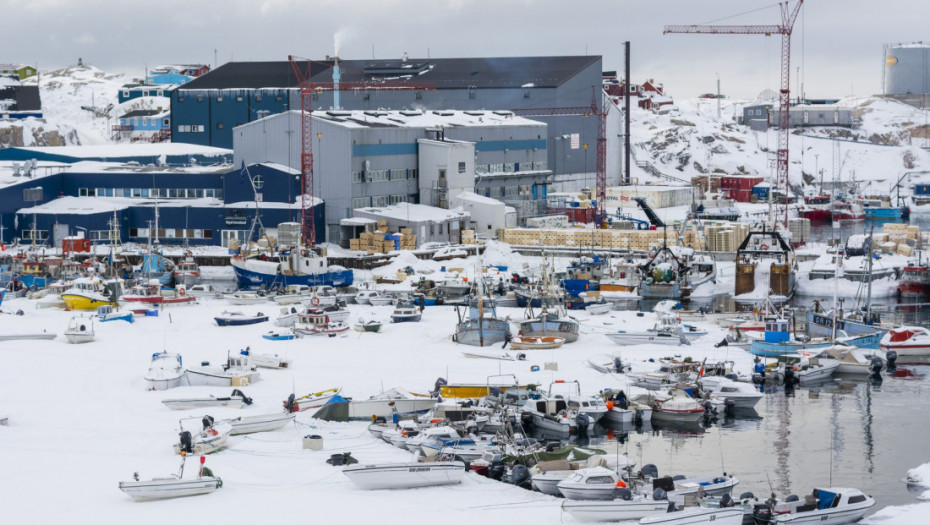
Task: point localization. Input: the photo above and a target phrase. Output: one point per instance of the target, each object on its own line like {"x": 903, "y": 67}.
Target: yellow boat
{"x": 86, "y": 294}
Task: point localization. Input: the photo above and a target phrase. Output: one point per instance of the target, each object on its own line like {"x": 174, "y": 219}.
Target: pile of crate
{"x": 468, "y": 237}
{"x": 588, "y": 237}
{"x": 901, "y": 239}
{"x": 382, "y": 241}
{"x": 725, "y": 236}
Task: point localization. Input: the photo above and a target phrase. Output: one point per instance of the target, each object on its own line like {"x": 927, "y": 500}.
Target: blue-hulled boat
{"x": 282, "y": 269}
{"x": 279, "y": 335}
{"x": 820, "y": 324}
{"x": 106, "y": 313}
{"x": 873, "y": 212}
{"x": 239, "y": 319}
{"x": 481, "y": 326}
{"x": 778, "y": 341}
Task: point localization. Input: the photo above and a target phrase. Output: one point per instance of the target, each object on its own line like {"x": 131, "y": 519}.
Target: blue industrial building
{"x": 207, "y": 109}
{"x": 134, "y": 91}
{"x": 197, "y": 204}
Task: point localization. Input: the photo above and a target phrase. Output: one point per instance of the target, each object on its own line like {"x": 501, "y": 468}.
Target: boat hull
{"x": 239, "y": 321}
{"x": 696, "y": 515}
{"x": 84, "y": 302}
{"x": 252, "y": 424}
{"x": 169, "y": 488}
{"x": 536, "y": 343}
{"x": 660, "y": 290}
{"x": 490, "y": 332}
{"x": 405, "y": 475}
{"x": 406, "y": 318}
{"x": 565, "y": 329}
{"x": 364, "y": 410}
{"x": 625, "y": 338}
{"x": 252, "y": 279}
{"x": 616, "y": 510}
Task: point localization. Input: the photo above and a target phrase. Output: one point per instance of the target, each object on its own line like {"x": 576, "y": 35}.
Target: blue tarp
{"x": 826, "y": 499}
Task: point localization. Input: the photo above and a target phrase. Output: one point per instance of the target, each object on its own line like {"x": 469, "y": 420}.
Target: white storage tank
{"x": 907, "y": 69}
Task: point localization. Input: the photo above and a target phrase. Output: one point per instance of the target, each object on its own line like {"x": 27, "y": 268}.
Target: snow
{"x": 406, "y": 211}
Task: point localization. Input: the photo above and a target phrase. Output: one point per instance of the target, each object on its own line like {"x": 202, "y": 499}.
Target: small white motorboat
{"x": 237, "y": 371}
{"x": 175, "y": 486}
{"x": 405, "y": 475}
{"x": 598, "y": 308}
{"x": 380, "y": 300}
{"x": 210, "y": 439}
{"x": 677, "y": 489}
{"x": 235, "y": 400}
{"x": 80, "y": 330}
{"x": 596, "y": 483}
{"x": 744, "y": 395}
{"x": 367, "y": 326}
{"x": 695, "y": 515}
{"x": 811, "y": 369}
{"x": 263, "y": 423}
{"x": 492, "y": 354}
{"x": 241, "y": 298}
{"x": 165, "y": 371}
{"x": 266, "y": 360}
{"x": 364, "y": 297}
{"x": 851, "y": 360}
{"x": 835, "y": 505}
{"x": 239, "y": 319}
{"x": 389, "y": 402}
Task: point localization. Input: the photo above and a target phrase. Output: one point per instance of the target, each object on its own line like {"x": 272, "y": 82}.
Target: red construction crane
{"x": 307, "y": 90}
{"x": 585, "y": 111}
{"x": 787, "y": 23}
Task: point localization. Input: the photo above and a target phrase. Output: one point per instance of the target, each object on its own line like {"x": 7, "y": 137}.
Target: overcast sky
{"x": 836, "y": 43}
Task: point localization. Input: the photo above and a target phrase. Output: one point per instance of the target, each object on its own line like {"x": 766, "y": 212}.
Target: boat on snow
{"x": 239, "y": 319}
{"x": 405, "y": 475}
{"x": 292, "y": 267}
{"x": 165, "y": 371}
{"x": 234, "y": 400}
{"x": 212, "y": 438}
{"x": 174, "y": 486}
{"x": 80, "y": 330}
{"x": 263, "y": 423}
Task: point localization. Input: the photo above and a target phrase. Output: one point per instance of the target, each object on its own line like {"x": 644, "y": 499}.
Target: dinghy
{"x": 165, "y": 371}
{"x": 491, "y": 354}
{"x": 106, "y": 313}
{"x": 367, "y": 326}
{"x": 279, "y": 335}
{"x": 405, "y": 475}
{"x": 266, "y": 360}
{"x": 264, "y": 423}
{"x": 598, "y": 308}
{"x": 234, "y": 400}
{"x": 172, "y": 487}
{"x": 239, "y": 319}
{"x": 308, "y": 401}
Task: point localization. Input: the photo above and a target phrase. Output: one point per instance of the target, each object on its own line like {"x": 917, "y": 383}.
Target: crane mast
{"x": 784, "y": 29}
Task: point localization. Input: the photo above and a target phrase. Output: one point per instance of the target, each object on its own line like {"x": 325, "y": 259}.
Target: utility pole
{"x": 626, "y": 118}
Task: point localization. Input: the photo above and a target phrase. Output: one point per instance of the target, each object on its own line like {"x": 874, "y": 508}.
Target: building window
{"x": 361, "y": 202}
{"x": 526, "y": 94}
{"x": 412, "y": 173}
{"x": 358, "y": 177}
{"x": 82, "y": 192}
{"x": 278, "y": 98}
{"x": 432, "y": 228}
{"x": 461, "y": 167}
{"x": 238, "y": 99}
{"x": 539, "y": 165}
{"x": 219, "y": 99}
{"x": 219, "y": 125}
{"x": 166, "y": 122}
{"x": 145, "y": 93}
{"x": 258, "y": 98}
{"x": 398, "y": 198}
{"x": 419, "y": 96}
{"x": 41, "y": 235}
{"x": 481, "y": 168}
{"x": 496, "y": 168}
{"x": 379, "y": 201}
{"x": 524, "y": 189}
{"x": 471, "y": 93}
{"x": 126, "y": 93}
{"x": 509, "y": 167}
{"x": 184, "y": 129}
{"x": 510, "y": 191}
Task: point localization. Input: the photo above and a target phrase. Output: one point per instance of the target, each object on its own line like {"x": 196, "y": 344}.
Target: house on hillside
{"x": 18, "y": 101}
{"x": 176, "y": 74}
{"x": 133, "y": 91}
{"x": 150, "y": 125}
{"x": 650, "y": 95}
{"x": 20, "y": 70}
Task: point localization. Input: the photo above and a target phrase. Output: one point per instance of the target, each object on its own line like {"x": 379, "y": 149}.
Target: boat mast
{"x": 836, "y": 285}
{"x": 868, "y": 297}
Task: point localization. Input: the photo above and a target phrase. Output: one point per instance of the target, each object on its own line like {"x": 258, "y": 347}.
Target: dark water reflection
{"x": 843, "y": 432}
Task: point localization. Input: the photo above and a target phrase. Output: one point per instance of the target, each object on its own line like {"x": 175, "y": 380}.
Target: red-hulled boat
{"x": 915, "y": 281}
{"x": 848, "y": 211}
{"x": 907, "y": 341}
{"x": 817, "y": 208}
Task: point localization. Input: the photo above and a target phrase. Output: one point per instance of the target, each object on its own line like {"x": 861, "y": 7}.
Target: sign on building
{"x": 576, "y": 140}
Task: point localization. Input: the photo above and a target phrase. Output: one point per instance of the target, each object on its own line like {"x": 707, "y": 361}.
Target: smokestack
{"x": 336, "y": 76}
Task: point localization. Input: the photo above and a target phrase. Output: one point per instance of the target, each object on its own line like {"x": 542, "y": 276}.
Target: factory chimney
{"x": 336, "y": 76}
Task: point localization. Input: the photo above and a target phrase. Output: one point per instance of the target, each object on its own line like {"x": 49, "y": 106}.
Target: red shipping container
{"x": 748, "y": 183}
{"x": 585, "y": 215}
{"x": 75, "y": 245}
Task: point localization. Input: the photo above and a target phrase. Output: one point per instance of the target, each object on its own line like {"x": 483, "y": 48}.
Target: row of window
{"x": 146, "y": 93}
{"x": 380, "y": 200}
{"x": 522, "y": 190}
{"x": 194, "y": 128}
{"x": 154, "y": 193}
{"x": 41, "y": 235}
{"x": 359, "y": 177}
{"x": 145, "y": 121}
{"x": 171, "y": 233}
{"x": 258, "y": 98}
{"x": 510, "y": 167}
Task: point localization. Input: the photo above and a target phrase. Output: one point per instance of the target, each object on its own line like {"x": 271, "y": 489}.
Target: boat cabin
{"x": 777, "y": 331}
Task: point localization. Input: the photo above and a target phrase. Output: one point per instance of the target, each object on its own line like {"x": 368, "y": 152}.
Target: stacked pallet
{"x": 468, "y": 236}
{"x": 905, "y": 238}
{"x": 587, "y": 237}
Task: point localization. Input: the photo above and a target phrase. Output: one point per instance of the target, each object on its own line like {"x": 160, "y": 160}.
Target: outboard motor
{"x": 638, "y": 416}
{"x": 726, "y": 501}
{"x": 709, "y": 410}
{"x": 729, "y": 407}
{"x": 552, "y": 447}
{"x": 747, "y": 495}
{"x": 289, "y": 406}
{"x": 521, "y": 357}
{"x": 520, "y": 476}
{"x": 207, "y": 422}
{"x": 790, "y": 378}
{"x": 336, "y": 460}
{"x": 649, "y": 470}
{"x": 186, "y": 442}
{"x": 582, "y": 420}
{"x": 623, "y": 494}
{"x": 437, "y": 386}
{"x": 496, "y": 470}
{"x": 618, "y": 365}
{"x": 722, "y": 343}
{"x": 890, "y": 358}
{"x": 526, "y": 420}
{"x": 762, "y": 513}
{"x": 245, "y": 399}
{"x": 659, "y": 495}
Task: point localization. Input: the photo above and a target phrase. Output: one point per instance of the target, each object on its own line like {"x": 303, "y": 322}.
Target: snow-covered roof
{"x": 415, "y": 212}
{"x": 474, "y": 197}
{"x": 357, "y": 221}
{"x": 413, "y": 119}
{"x": 91, "y": 205}
{"x": 130, "y": 150}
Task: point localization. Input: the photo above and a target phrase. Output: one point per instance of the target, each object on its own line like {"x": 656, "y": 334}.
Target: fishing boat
{"x": 174, "y": 486}
{"x": 239, "y": 319}
{"x": 266, "y": 360}
{"x": 915, "y": 280}
{"x": 211, "y": 438}
{"x": 368, "y": 326}
{"x": 778, "y": 340}
{"x": 823, "y": 505}
{"x": 88, "y": 293}
{"x": 761, "y": 250}
{"x": 279, "y": 335}
{"x": 405, "y": 311}
{"x": 389, "y": 402}
{"x": 237, "y": 371}
{"x": 479, "y": 324}
{"x": 405, "y": 475}
{"x": 318, "y": 322}
{"x": 263, "y": 423}
{"x": 536, "y": 342}
{"x": 186, "y": 272}
{"x": 165, "y": 371}
{"x": 308, "y": 401}
{"x": 817, "y": 208}
{"x": 293, "y": 294}
{"x": 552, "y": 320}
{"x": 80, "y": 330}
{"x": 106, "y": 313}
{"x": 298, "y": 265}
{"x": 154, "y": 294}
{"x": 235, "y": 400}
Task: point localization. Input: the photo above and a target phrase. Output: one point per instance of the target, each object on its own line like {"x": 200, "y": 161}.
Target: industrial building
{"x": 375, "y": 159}
{"x": 200, "y": 197}
{"x": 207, "y": 109}
{"x": 760, "y": 117}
